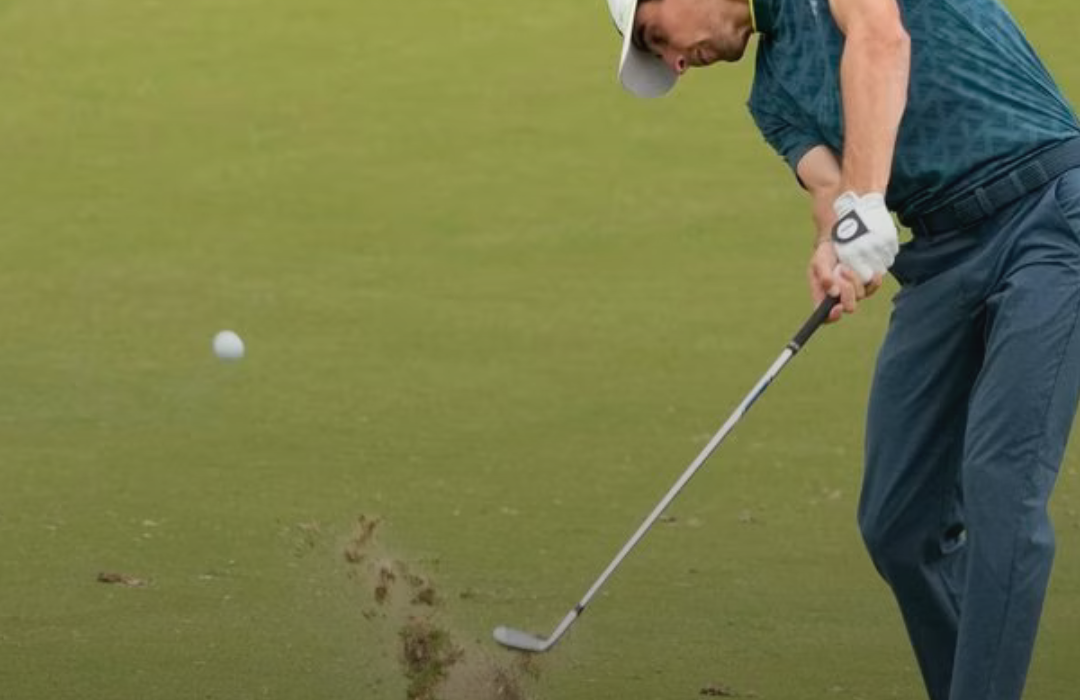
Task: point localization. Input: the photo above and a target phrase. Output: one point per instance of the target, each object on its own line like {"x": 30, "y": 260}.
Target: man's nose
{"x": 676, "y": 60}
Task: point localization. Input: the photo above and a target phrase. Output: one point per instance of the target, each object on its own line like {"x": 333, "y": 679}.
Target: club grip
{"x": 816, "y": 319}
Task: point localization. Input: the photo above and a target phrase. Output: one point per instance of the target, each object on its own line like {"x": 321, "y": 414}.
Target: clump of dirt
{"x": 717, "y": 690}
{"x": 427, "y": 653}
{"x": 385, "y": 578}
{"x": 122, "y": 580}
{"x": 435, "y": 663}
{"x": 362, "y": 536}
{"x": 425, "y": 596}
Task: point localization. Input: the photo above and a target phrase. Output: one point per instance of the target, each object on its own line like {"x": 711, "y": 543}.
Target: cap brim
{"x": 642, "y": 73}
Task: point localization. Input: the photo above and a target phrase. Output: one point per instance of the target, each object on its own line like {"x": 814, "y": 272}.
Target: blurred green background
{"x": 487, "y": 296}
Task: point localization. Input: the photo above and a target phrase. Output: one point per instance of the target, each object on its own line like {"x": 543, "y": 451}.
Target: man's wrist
{"x": 848, "y": 199}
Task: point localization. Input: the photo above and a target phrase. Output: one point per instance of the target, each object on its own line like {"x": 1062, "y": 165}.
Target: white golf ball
{"x": 228, "y": 345}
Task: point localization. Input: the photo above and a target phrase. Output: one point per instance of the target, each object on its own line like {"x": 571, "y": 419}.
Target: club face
{"x": 522, "y": 641}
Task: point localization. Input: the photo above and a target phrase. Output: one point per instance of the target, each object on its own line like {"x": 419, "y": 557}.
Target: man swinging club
{"x": 938, "y": 111}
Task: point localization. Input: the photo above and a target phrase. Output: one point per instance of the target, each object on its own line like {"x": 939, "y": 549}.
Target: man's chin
{"x": 737, "y": 52}
{"x": 731, "y": 54}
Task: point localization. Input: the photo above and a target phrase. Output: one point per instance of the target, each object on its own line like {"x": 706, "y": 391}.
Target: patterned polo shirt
{"x": 979, "y": 101}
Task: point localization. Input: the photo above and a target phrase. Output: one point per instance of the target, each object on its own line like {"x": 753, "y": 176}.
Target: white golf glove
{"x": 865, "y": 234}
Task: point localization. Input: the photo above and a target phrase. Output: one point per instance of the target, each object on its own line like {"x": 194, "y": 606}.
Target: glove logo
{"x": 848, "y": 228}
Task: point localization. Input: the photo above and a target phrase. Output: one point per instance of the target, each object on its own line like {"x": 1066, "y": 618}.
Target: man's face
{"x": 691, "y": 33}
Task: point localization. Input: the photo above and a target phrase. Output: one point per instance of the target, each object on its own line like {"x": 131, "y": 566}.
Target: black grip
{"x": 816, "y": 319}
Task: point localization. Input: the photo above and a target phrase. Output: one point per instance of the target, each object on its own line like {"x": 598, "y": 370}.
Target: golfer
{"x": 941, "y": 112}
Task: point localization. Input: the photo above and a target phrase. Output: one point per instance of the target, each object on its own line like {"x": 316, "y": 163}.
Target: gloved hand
{"x": 865, "y": 234}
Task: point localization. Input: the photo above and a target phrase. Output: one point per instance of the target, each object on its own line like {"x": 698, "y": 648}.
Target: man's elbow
{"x": 885, "y": 37}
{"x": 899, "y": 42}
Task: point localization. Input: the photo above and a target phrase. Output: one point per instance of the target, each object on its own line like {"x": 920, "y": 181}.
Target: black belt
{"x": 983, "y": 202}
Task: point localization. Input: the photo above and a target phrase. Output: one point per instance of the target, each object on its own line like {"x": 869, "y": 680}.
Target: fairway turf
{"x": 487, "y": 298}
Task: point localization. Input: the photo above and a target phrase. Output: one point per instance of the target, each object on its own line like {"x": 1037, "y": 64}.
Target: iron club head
{"x": 522, "y": 641}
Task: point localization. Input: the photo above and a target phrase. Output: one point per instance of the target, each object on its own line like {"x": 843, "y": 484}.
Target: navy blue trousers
{"x": 973, "y": 397}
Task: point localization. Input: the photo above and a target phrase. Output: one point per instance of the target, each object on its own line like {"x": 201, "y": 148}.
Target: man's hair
{"x": 637, "y": 39}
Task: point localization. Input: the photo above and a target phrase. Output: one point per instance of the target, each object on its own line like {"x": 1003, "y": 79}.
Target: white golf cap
{"x": 641, "y": 73}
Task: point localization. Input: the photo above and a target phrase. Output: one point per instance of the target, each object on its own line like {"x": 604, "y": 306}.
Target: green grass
{"x": 486, "y": 296}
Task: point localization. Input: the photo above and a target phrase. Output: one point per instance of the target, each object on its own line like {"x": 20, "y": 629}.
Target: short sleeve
{"x": 778, "y": 118}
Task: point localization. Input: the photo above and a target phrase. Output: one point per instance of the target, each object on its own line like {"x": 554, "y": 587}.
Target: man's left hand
{"x": 865, "y": 234}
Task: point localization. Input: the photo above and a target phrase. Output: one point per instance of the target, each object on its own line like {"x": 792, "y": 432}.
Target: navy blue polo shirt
{"x": 979, "y": 102}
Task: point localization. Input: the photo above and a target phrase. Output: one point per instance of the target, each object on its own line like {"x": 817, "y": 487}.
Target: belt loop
{"x": 1041, "y": 176}
{"x": 985, "y": 204}
{"x": 1017, "y": 180}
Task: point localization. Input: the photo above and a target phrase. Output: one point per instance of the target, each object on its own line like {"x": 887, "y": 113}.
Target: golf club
{"x": 524, "y": 641}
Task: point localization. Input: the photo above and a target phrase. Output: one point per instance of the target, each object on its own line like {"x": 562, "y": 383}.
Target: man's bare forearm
{"x": 819, "y": 171}
{"x": 874, "y": 83}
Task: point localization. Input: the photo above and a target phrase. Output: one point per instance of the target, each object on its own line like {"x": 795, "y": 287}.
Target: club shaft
{"x": 793, "y": 347}
{"x": 649, "y": 521}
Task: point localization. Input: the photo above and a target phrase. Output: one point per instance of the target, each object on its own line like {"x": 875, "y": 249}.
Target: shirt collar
{"x": 763, "y": 15}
